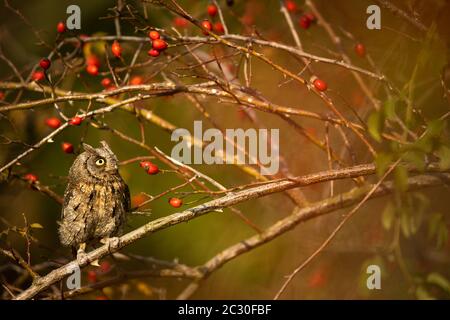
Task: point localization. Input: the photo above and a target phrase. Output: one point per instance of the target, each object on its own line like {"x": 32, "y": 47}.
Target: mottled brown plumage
{"x": 96, "y": 198}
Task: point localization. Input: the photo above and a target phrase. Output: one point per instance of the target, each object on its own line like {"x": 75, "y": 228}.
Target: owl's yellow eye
{"x": 100, "y": 162}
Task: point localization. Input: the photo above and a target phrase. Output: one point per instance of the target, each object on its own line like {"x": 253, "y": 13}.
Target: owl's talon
{"x": 82, "y": 257}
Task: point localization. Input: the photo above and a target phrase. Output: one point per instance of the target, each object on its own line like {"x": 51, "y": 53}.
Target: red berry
{"x": 218, "y": 27}
{"x": 67, "y": 147}
{"x": 317, "y": 279}
{"x": 207, "y": 26}
{"x": 360, "y": 49}
{"x": 159, "y": 44}
{"x": 310, "y": 16}
{"x": 180, "y": 22}
{"x": 138, "y": 200}
{"x": 92, "y": 276}
{"x": 136, "y": 80}
{"x": 153, "y": 35}
{"x": 44, "y": 63}
{"x": 75, "y": 121}
{"x": 61, "y": 27}
{"x": 38, "y": 76}
{"x": 212, "y": 10}
{"x": 152, "y": 169}
{"x": 101, "y": 298}
{"x": 291, "y": 6}
{"x": 111, "y": 87}
{"x": 53, "y": 122}
{"x": 248, "y": 19}
{"x": 31, "y": 177}
{"x": 153, "y": 52}
{"x": 320, "y": 85}
{"x": 93, "y": 60}
{"x": 145, "y": 164}
{"x": 116, "y": 49}
{"x": 175, "y": 202}
{"x": 106, "y": 82}
{"x": 304, "y": 22}
{"x": 92, "y": 69}
{"x": 2, "y": 95}
{"x": 105, "y": 266}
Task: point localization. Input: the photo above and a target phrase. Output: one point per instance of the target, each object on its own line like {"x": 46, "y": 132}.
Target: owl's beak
{"x": 112, "y": 169}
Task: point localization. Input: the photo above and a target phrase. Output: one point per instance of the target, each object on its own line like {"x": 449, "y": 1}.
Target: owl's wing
{"x": 74, "y": 226}
{"x": 79, "y": 198}
{"x": 126, "y": 198}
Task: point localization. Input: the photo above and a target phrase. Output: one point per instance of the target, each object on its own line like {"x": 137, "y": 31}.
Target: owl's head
{"x": 100, "y": 162}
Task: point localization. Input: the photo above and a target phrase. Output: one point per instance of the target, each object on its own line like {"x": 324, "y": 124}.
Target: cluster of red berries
{"x": 153, "y": 169}
{"x": 158, "y": 44}
{"x": 39, "y": 75}
{"x": 305, "y": 20}
{"x": 150, "y": 167}
{"x": 55, "y": 123}
{"x": 108, "y": 84}
{"x": 92, "y": 65}
{"x": 212, "y": 11}
{"x": 92, "y": 276}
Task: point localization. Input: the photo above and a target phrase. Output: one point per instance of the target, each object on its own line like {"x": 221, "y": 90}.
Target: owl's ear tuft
{"x": 89, "y": 148}
{"x": 106, "y": 146}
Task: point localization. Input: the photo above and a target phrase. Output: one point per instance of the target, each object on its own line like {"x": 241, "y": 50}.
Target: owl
{"x": 96, "y": 199}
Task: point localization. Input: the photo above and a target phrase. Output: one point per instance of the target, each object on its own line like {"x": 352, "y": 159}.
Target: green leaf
{"x": 423, "y": 294}
{"x": 435, "y": 127}
{"x": 433, "y": 224}
{"x": 375, "y": 124}
{"x": 389, "y": 108}
{"x": 442, "y": 236}
{"x": 444, "y": 157}
{"x": 419, "y": 205}
{"x": 382, "y": 162}
{"x": 437, "y": 228}
{"x": 401, "y": 178}
{"x": 428, "y": 141}
{"x": 416, "y": 158}
{"x": 439, "y": 280}
{"x": 387, "y": 218}
{"x": 405, "y": 224}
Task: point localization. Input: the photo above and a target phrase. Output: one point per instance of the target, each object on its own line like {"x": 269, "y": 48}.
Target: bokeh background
{"x": 339, "y": 272}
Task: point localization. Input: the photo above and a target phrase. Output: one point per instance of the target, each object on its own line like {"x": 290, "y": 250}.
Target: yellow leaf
{"x": 144, "y": 288}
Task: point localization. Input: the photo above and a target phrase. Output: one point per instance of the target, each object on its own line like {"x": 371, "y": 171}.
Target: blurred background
{"x": 339, "y": 272}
